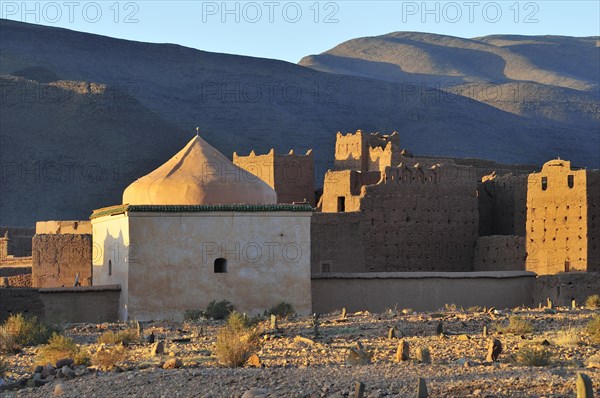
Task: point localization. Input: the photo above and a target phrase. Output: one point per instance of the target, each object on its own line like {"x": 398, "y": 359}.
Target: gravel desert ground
{"x": 291, "y": 362}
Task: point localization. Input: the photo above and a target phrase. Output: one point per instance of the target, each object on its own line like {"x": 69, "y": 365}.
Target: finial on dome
{"x": 197, "y": 131}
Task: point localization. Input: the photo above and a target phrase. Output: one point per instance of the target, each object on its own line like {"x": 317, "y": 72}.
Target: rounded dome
{"x": 198, "y": 175}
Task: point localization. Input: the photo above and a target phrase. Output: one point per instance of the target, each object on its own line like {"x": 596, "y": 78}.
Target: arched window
{"x": 220, "y": 265}
{"x": 571, "y": 180}
{"x": 109, "y": 267}
{"x": 544, "y": 183}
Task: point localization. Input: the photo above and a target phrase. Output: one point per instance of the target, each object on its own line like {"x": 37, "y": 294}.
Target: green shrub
{"x": 593, "y": 301}
{"x": 58, "y": 347}
{"x": 236, "y": 341}
{"x": 593, "y": 329}
{"x": 19, "y": 330}
{"x": 516, "y": 325}
{"x": 533, "y": 357}
{"x": 219, "y": 310}
{"x": 124, "y": 337}
{"x": 282, "y": 310}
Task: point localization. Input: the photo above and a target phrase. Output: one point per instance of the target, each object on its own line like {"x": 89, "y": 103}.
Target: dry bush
{"x": 124, "y": 337}
{"x": 3, "y": 367}
{"x": 567, "y": 338}
{"x": 82, "y": 357}
{"x": 450, "y": 307}
{"x": 516, "y": 325}
{"x": 593, "y": 329}
{"x": 58, "y": 347}
{"x": 8, "y": 341}
{"x": 107, "y": 359}
{"x": 533, "y": 357}
{"x": 19, "y": 330}
{"x": 236, "y": 341}
{"x": 593, "y": 301}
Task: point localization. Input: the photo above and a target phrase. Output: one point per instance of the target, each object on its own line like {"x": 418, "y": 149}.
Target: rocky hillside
{"x": 546, "y": 78}
{"x": 103, "y": 106}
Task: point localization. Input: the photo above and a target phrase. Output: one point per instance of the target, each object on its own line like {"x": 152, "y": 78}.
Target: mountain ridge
{"x": 156, "y": 94}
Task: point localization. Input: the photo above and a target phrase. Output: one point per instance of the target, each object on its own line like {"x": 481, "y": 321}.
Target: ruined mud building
{"x": 383, "y": 209}
{"x": 382, "y": 212}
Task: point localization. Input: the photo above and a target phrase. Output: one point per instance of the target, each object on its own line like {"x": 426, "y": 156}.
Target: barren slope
{"x": 239, "y": 103}
{"x": 549, "y": 78}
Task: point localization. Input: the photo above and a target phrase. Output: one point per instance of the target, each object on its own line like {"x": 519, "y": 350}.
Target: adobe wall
{"x": 562, "y": 288}
{"x": 593, "y": 221}
{"x": 4, "y": 241}
{"x": 63, "y": 227}
{"x": 20, "y": 300}
{"x": 420, "y": 220}
{"x": 351, "y": 151}
{"x": 94, "y": 304}
{"x": 346, "y": 184}
{"x": 259, "y": 165}
{"x": 500, "y": 253}
{"x": 57, "y": 306}
{"x": 14, "y": 270}
{"x": 557, "y": 219}
{"x": 365, "y": 151}
{"x": 58, "y": 258}
{"x": 486, "y": 167}
{"x": 291, "y": 176}
{"x": 421, "y": 291}
{"x": 19, "y": 244}
{"x": 337, "y": 244}
{"x": 21, "y": 280}
{"x": 295, "y": 178}
{"x": 502, "y": 202}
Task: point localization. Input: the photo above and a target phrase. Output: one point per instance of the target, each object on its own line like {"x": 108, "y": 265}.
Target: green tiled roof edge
{"x": 109, "y": 211}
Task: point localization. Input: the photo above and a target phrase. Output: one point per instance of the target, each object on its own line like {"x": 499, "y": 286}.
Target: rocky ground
{"x": 293, "y": 363}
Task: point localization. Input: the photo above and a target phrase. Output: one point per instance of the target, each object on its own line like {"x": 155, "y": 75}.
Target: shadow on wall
{"x": 61, "y": 305}
{"x": 110, "y": 261}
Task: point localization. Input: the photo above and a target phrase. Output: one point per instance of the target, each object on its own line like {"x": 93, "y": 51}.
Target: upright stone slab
{"x": 439, "y": 328}
{"x": 494, "y": 350}
{"x": 391, "y": 333}
{"x": 359, "y": 390}
{"x": 423, "y": 355}
{"x": 274, "y": 321}
{"x": 403, "y": 352}
{"x": 422, "y": 388}
{"x": 585, "y": 388}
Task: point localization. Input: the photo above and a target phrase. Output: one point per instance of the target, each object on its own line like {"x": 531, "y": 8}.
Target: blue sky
{"x": 289, "y": 30}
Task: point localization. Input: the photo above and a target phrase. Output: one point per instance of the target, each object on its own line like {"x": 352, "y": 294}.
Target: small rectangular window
{"x": 325, "y": 267}
{"x": 571, "y": 180}
{"x": 220, "y": 266}
{"x": 341, "y": 204}
{"x": 544, "y": 183}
